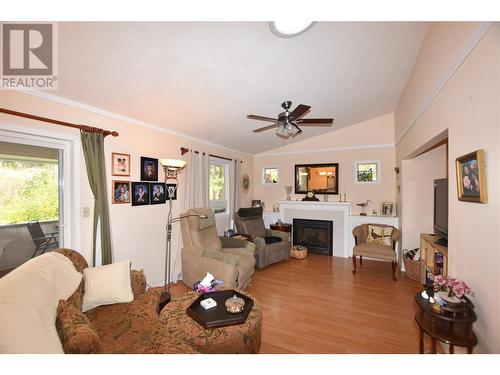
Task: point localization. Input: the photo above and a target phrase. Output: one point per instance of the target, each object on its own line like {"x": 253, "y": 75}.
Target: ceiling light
{"x": 289, "y": 28}
{"x": 286, "y": 130}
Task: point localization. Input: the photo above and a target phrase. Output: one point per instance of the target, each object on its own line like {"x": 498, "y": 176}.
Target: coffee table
{"x": 241, "y": 338}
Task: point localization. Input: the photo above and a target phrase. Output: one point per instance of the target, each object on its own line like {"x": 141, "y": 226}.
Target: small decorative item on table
{"x": 298, "y": 252}
{"x": 234, "y": 305}
{"x": 450, "y": 290}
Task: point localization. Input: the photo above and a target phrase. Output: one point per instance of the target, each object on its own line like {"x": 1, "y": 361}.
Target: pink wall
{"x": 445, "y": 45}
{"x": 138, "y": 233}
{"x": 368, "y": 140}
{"x": 468, "y": 108}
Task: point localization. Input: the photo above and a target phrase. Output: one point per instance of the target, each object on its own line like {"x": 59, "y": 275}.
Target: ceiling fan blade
{"x": 261, "y": 118}
{"x": 300, "y": 111}
{"x": 299, "y": 129}
{"x": 316, "y": 121}
{"x": 264, "y": 128}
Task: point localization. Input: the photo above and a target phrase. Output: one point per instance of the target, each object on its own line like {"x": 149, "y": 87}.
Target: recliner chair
{"x": 271, "y": 246}
{"x": 227, "y": 259}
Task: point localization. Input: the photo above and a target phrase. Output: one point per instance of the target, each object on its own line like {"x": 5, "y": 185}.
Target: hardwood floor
{"x": 316, "y": 305}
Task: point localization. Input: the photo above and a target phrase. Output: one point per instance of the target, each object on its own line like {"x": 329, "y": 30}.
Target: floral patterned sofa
{"x": 128, "y": 327}
{"x": 136, "y": 327}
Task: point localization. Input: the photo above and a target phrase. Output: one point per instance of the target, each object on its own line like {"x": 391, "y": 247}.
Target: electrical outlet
{"x": 86, "y": 211}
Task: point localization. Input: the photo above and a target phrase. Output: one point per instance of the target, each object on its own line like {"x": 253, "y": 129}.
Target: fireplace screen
{"x": 316, "y": 235}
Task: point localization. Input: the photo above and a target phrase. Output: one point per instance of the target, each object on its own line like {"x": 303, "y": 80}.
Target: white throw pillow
{"x": 107, "y": 285}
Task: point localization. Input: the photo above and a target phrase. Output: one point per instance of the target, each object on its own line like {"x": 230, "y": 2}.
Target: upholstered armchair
{"x": 374, "y": 243}
{"x": 228, "y": 259}
{"x": 271, "y": 246}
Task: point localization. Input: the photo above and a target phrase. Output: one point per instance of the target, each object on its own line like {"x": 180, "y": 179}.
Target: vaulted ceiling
{"x": 202, "y": 78}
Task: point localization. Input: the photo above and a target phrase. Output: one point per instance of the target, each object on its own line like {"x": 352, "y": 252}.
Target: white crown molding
{"x": 473, "y": 41}
{"x": 117, "y": 116}
{"x": 330, "y": 149}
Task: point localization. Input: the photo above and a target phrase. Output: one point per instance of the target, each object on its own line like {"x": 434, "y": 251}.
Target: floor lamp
{"x": 172, "y": 168}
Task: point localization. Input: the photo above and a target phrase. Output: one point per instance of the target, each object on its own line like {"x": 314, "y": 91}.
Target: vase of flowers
{"x": 450, "y": 289}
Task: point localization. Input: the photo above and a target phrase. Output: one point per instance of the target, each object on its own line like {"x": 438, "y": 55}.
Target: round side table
{"x": 452, "y": 326}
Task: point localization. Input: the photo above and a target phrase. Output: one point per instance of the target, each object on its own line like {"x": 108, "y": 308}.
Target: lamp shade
{"x": 172, "y": 163}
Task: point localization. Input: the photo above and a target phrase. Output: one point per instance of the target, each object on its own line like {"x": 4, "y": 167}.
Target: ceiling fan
{"x": 287, "y": 123}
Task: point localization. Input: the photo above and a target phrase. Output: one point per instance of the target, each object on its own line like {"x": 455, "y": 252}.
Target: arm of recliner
{"x": 200, "y": 265}
{"x": 234, "y": 243}
{"x": 283, "y": 235}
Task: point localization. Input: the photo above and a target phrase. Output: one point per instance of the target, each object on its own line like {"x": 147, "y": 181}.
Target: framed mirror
{"x": 318, "y": 178}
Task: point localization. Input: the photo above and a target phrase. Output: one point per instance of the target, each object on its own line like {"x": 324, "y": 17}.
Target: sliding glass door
{"x": 31, "y": 202}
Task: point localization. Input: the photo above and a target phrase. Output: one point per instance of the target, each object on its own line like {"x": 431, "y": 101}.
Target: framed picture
{"x": 120, "y": 164}
{"x": 245, "y": 183}
{"x": 471, "y": 177}
{"x": 256, "y": 203}
{"x": 121, "y": 192}
{"x": 157, "y": 192}
{"x": 388, "y": 209}
{"x": 149, "y": 169}
{"x": 140, "y": 191}
{"x": 171, "y": 190}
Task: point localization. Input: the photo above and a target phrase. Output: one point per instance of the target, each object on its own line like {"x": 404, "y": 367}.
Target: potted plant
{"x": 450, "y": 289}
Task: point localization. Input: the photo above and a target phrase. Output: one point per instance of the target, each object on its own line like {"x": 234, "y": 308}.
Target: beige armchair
{"x": 228, "y": 259}
{"x": 271, "y": 246}
{"x": 372, "y": 249}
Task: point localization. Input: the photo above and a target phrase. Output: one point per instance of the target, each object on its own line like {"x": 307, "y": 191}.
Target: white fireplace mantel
{"x": 338, "y": 212}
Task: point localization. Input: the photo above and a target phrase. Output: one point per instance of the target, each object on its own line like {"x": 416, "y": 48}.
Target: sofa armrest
{"x": 138, "y": 282}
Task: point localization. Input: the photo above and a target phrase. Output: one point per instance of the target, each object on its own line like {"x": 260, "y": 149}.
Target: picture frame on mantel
{"x": 388, "y": 209}
{"x": 471, "y": 177}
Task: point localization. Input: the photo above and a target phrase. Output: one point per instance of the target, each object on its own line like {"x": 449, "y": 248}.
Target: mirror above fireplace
{"x": 318, "y": 178}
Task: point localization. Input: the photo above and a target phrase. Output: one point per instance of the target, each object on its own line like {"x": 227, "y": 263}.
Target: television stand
{"x": 430, "y": 246}
{"x": 442, "y": 242}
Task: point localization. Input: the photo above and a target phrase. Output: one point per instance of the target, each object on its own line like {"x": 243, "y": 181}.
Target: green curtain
{"x": 93, "y": 150}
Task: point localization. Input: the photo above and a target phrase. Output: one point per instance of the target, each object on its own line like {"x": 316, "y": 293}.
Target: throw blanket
{"x": 29, "y": 296}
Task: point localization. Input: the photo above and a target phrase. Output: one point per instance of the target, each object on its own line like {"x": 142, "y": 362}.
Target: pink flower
{"x": 466, "y": 182}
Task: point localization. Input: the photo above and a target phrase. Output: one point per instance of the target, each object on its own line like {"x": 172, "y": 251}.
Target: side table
{"x": 283, "y": 227}
{"x": 453, "y": 326}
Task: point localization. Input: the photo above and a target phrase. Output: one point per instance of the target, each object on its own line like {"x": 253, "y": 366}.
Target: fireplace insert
{"x": 316, "y": 235}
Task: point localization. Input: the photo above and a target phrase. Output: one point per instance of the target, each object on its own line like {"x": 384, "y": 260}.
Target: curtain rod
{"x": 84, "y": 128}
{"x": 184, "y": 150}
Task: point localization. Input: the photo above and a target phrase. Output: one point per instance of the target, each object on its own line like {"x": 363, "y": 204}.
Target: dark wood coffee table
{"x": 283, "y": 227}
{"x": 218, "y": 316}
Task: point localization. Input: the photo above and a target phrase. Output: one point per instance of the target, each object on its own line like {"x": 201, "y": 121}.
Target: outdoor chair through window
{"x": 42, "y": 241}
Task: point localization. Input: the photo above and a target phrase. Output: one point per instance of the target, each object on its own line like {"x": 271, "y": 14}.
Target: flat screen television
{"x": 441, "y": 210}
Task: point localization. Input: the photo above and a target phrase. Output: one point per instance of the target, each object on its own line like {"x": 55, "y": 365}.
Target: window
{"x": 367, "y": 172}
{"x": 218, "y": 186}
{"x": 30, "y": 202}
{"x": 270, "y": 175}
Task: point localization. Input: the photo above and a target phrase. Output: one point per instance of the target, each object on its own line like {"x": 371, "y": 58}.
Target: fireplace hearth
{"x": 316, "y": 235}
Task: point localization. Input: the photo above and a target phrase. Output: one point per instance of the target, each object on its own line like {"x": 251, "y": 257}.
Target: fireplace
{"x": 316, "y": 235}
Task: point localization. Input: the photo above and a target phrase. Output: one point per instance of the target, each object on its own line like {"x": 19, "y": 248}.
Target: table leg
{"x": 469, "y": 350}
{"x": 433, "y": 348}
{"x": 452, "y": 349}
{"x": 421, "y": 341}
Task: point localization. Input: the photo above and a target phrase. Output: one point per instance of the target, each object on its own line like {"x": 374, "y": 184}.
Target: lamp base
{"x": 164, "y": 300}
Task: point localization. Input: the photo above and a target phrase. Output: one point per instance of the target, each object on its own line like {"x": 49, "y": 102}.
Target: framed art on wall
{"x": 121, "y": 192}
{"x": 471, "y": 177}
{"x": 149, "y": 169}
{"x": 157, "y": 192}
{"x": 120, "y": 164}
{"x": 140, "y": 191}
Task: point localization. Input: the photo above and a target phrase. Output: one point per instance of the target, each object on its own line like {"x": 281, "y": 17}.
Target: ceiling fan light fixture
{"x": 290, "y": 27}
{"x": 286, "y": 131}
